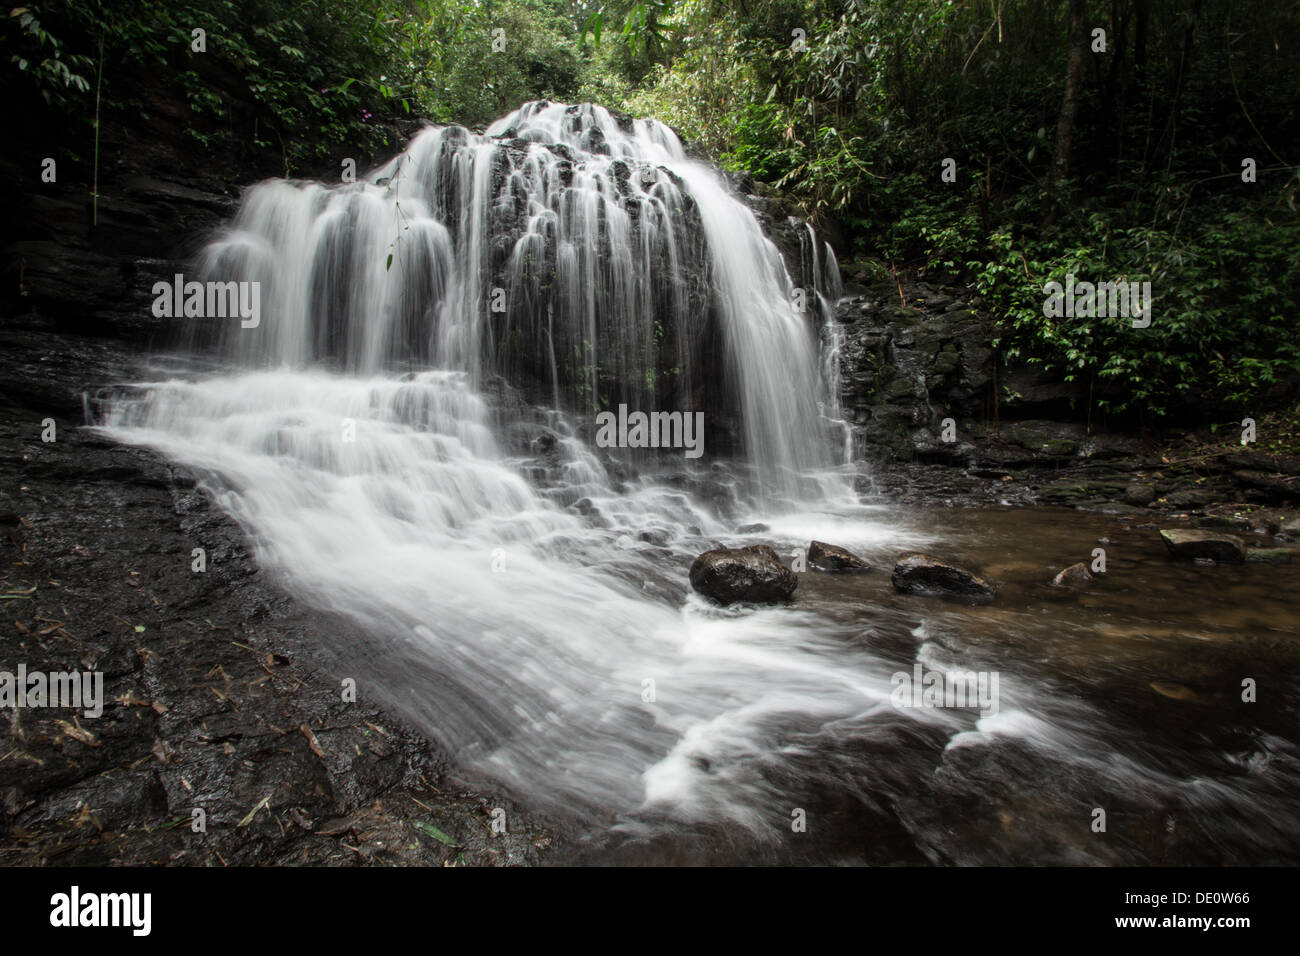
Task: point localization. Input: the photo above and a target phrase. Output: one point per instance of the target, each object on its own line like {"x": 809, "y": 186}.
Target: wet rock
{"x": 1262, "y": 461}
{"x": 1270, "y": 555}
{"x": 756, "y": 528}
{"x": 1139, "y": 494}
{"x": 1191, "y": 544}
{"x": 1277, "y": 487}
{"x": 1225, "y": 522}
{"x": 1075, "y": 576}
{"x": 917, "y": 573}
{"x": 753, "y": 574}
{"x": 946, "y": 361}
{"x": 1074, "y": 492}
{"x": 1188, "y": 499}
{"x": 1043, "y": 439}
{"x": 829, "y": 557}
{"x": 203, "y": 707}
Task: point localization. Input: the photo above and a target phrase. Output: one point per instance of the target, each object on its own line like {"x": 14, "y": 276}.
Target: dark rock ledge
{"x": 218, "y": 695}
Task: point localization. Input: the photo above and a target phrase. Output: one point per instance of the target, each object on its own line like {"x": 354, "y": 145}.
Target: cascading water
{"x": 561, "y": 249}
{"x": 401, "y": 435}
{"x": 520, "y": 631}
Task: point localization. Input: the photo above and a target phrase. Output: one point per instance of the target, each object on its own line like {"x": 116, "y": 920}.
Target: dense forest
{"x": 1005, "y": 144}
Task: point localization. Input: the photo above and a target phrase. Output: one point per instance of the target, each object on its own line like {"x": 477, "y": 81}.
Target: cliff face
{"x": 166, "y": 176}
{"x": 915, "y": 355}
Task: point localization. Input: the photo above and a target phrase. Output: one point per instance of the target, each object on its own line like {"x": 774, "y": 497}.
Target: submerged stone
{"x": 1270, "y": 555}
{"x": 922, "y": 574}
{"x": 1075, "y": 576}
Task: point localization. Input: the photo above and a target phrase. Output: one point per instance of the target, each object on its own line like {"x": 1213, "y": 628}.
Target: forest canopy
{"x": 1134, "y": 140}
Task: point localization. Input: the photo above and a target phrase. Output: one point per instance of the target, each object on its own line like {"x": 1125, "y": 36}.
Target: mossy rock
{"x": 946, "y": 361}
{"x": 1269, "y": 555}
{"x": 1075, "y": 491}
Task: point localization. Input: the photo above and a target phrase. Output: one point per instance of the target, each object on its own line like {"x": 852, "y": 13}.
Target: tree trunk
{"x": 1069, "y": 107}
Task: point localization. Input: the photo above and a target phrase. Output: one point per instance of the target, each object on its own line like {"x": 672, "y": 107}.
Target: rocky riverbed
{"x": 225, "y": 737}
{"x": 222, "y": 698}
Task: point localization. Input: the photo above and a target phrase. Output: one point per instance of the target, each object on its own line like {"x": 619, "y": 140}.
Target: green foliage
{"x": 850, "y": 106}
{"x": 320, "y": 75}
{"x": 1222, "y": 323}
{"x": 56, "y": 74}
{"x": 855, "y": 122}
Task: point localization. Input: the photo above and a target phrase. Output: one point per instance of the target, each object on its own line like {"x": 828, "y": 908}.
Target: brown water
{"x": 1126, "y": 697}
{"x": 520, "y": 631}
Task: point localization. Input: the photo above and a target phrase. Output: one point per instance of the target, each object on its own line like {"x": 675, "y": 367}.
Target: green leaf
{"x": 389, "y": 264}
{"x": 430, "y": 830}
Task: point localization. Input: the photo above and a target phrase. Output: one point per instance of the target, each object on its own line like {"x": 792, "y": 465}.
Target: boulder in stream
{"x": 1270, "y": 555}
{"x": 830, "y": 557}
{"x": 917, "y": 573}
{"x": 1190, "y": 544}
{"x": 753, "y": 574}
{"x": 1075, "y": 576}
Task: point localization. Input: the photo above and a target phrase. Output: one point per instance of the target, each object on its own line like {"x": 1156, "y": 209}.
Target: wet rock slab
{"x": 224, "y": 736}
{"x": 928, "y": 576}
{"x": 1190, "y": 544}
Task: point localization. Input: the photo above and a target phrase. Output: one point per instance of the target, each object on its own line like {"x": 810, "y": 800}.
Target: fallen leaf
{"x": 162, "y": 750}
{"x": 253, "y": 812}
{"x": 78, "y": 733}
{"x": 312, "y": 742}
{"x": 1172, "y": 691}
{"x": 431, "y": 830}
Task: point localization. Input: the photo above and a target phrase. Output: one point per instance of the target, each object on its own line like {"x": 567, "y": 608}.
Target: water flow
{"x": 523, "y": 596}
{"x": 555, "y": 651}
{"x": 587, "y": 261}
{"x": 526, "y": 622}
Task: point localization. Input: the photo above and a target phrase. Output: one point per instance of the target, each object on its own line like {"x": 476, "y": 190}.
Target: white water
{"x": 518, "y": 632}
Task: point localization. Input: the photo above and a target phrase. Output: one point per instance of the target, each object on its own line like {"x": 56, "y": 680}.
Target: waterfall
{"x": 403, "y": 437}
{"x": 562, "y": 250}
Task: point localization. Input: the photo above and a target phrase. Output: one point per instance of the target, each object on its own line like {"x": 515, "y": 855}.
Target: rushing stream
{"x": 407, "y": 455}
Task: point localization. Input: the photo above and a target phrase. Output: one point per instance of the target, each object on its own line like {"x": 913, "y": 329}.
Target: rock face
{"x": 1190, "y": 544}
{"x": 1139, "y": 494}
{"x": 1075, "y": 576}
{"x": 753, "y": 574}
{"x": 829, "y": 557}
{"x": 74, "y": 515}
{"x": 922, "y": 574}
{"x": 914, "y": 353}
